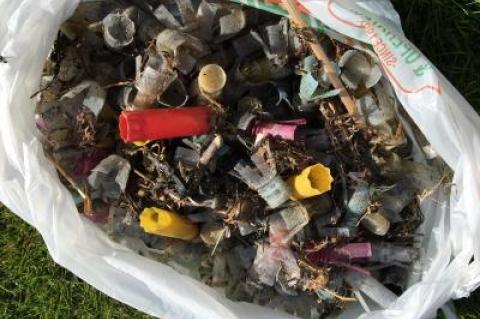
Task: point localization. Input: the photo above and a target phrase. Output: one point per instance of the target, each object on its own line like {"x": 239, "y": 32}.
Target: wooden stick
{"x": 66, "y": 176}
{"x": 341, "y": 298}
{"x": 85, "y": 194}
{"x": 320, "y": 54}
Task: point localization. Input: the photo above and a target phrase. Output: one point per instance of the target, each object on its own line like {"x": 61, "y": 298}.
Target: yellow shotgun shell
{"x": 162, "y": 222}
{"x": 312, "y": 181}
{"x": 212, "y": 78}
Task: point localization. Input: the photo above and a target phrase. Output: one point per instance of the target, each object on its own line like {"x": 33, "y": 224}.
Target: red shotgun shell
{"x": 157, "y": 124}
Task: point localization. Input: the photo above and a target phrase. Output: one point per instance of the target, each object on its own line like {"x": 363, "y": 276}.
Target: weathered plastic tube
{"x": 161, "y": 222}
{"x": 344, "y": 253}
{"x": 384, "y": 252}
{"x": 211, "y": 150}
{"x": 312, "y": 181}
{"x": 157, "y": 124}
{"x": 118, "y": 30}
{"x": 285, "y": 129}
{"x": 377, "y": 223}
{"x": 372, "y": 288}
{"x": 357, "y": 205}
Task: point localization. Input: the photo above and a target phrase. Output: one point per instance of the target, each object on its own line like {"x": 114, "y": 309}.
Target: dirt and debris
{"x": 207, "y": 136}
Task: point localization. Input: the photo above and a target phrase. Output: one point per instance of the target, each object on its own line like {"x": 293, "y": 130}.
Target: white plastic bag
{"x": 29, "y": 185}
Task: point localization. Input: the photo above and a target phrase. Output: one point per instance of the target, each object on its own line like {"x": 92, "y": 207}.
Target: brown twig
{"x": 218, "y": 107}
{"x": 121, "y": 83}
{"x": 303, "y": 263}
{"x": 427, "y": 193}
{"x": 339, "y": 297}
{"x": 143, "y": 176}
{"x": 44, "y": 88}
{"x": 320, "y": 54}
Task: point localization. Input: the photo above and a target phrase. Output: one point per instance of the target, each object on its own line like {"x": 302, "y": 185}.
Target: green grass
{"x": 32, "y": 286}
{"x": 448, "y": 33}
